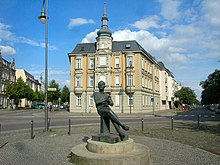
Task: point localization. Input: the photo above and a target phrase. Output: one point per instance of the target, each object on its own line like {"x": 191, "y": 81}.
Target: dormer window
{"x": 82, "y": 48}
{"x": 127, "y": 46}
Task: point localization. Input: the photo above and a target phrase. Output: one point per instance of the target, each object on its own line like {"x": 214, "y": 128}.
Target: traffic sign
{"x": 52, "y": 89}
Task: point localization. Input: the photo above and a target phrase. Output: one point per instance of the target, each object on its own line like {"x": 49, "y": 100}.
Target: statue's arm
{"x": 110, "y": 102}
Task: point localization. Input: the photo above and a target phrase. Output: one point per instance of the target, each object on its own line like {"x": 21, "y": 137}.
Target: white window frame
{"x": 143, "y": 100}
{"x": 91, "y": 81}
{"x": 117, "y": 80}
{"x": 91, "y": 100}
{"x": 78, "y": 63}
{"x": 117, "y": 100}
{"x": 91, "y": 63}
{"x": 78, "y": 81}
{"x": 130, "y": 58}
{"x": 130, "y": 80}
{"x": 78, "y": 100}
{"x": 117, "y": 62}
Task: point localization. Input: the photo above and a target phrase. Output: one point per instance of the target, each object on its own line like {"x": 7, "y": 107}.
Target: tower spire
{"x": 104, "y": 31}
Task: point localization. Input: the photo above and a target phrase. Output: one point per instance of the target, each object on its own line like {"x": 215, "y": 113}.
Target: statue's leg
{"x": 116, "y": 120}
{"x": 121, "y": 134}
{"x": 104, "y": 125}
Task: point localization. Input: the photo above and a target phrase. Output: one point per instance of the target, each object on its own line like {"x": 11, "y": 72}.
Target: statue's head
{"x": 101, "y": 85}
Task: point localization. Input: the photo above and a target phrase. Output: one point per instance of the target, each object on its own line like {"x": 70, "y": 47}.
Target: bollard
{"x": 48, "y": 123}
{"x": 198, "y": 120}
{"x": 32, "y": 129}
{"x": 69, "y": 127}
{"x": 172, "y": 123}
{"x": 142, "y": 124}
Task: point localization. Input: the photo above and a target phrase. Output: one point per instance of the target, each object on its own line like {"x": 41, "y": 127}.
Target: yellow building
{"x": 131, "y": 74}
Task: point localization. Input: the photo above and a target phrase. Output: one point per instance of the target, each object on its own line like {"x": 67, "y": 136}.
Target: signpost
{"x": 52, "y": 89}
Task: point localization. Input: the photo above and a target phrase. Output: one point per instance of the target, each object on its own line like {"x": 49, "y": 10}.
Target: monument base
{"x": 99, "y": 153}
{"x": 108, "y": 138}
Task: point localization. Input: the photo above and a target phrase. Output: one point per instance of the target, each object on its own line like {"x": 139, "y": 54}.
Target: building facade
{"x": 30, "y": 81}
{"x": 7, "y": 75}
{"x": 131, "y": 74}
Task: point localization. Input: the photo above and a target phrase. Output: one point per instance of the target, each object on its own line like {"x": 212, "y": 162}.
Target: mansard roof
{"x": 117, "y": 46}
{"x": 162, "y": 67}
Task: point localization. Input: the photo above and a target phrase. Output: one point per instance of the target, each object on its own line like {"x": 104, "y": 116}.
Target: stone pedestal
{"x": 100, "y": 153}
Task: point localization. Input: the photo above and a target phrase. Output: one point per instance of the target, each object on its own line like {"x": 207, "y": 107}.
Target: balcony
{"x": 78, "y": 90}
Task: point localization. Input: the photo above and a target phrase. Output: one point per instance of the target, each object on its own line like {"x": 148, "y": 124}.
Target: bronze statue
{"x": 103, "y": 101}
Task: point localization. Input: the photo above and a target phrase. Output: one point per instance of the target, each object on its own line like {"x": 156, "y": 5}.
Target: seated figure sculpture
{"x": 103, "y": 101}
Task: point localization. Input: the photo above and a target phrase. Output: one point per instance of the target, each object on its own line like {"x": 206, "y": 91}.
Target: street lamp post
{"x": 44, "y": 19}
{"x": 130, "y": 65}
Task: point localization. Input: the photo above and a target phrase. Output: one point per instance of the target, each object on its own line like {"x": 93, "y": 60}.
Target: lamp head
{"x": 42, "y": 17}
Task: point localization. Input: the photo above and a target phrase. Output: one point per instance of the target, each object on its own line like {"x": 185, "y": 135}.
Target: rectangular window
{"x": 78, "y": 82}
{"x": 129, "y": 61}
{"x": 130, "y": 80}
{"x": 102, "y": 61}
{"x": 91, "y": 81}
{"x": 91, "y": 100}
{"x": 117, "y": 62}
{"x": 78, "y": 100}
{"x": 130, "y": 100}
{"x": 164, "y": 102}
{"x": 117, "y": 101}
{"x": 117, "y": 80}
{"x": 143, "y": 83}
{"x": 78, "y": 63}
{"x": 91, "y": 63}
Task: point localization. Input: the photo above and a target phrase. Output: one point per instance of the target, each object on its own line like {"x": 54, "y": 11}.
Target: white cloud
{"x": 149, "y": 41}
{"x": 176, "y": 57}
{"x": 7, "y": 50}
{"x": 90, "y": 37}
{"x": 78, "y": 22}
{"x": 8, "y": 37}
{"x": 50, "y": 47}
{"x": 210, "y": 9}
{"x": 5, "y": 33}
{"x": 146, "y": 23}
{"x": 169, "y": 9}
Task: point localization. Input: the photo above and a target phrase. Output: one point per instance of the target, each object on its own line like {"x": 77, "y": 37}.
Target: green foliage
{"x": 211, "y": 88}
{"x": 186, "y": 96}
{"x": 53, "y": 95}
{"x": 65, "y": 94}
{"x": 38, "y": 96}
{"x": 19, "y": 90}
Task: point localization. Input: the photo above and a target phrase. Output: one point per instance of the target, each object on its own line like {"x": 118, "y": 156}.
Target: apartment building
{"x": 131, "y": 74}
{"x": 7, "y": 75}
{"x": 30, "y": 81}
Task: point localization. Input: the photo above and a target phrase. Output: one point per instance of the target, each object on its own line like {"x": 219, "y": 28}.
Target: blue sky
{"x": 183, "y": 34}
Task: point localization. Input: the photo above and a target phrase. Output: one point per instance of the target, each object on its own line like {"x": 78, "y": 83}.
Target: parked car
{"x": 38, "y": 106}
{"x": 184, "y": 108}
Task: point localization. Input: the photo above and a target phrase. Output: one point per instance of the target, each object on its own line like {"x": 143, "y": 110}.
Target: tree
{"x": 53, "y": 95}
{"x": 211, "y": 88}
{"x": 65, "y": 94}
{"x": 186, "y": 96}
{"x": 19, "y": 90}
{"x": 38, "y": 96}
